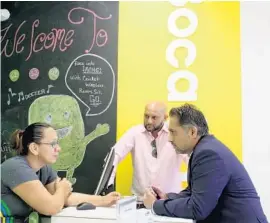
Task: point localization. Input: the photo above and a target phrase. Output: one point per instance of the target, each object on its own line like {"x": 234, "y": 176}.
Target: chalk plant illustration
{"x": 63, "y": 113}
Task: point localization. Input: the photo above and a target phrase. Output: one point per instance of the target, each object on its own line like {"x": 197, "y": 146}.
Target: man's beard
{"x": 156, "y": 129}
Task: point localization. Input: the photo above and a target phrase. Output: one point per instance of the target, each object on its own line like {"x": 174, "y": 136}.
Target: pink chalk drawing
{"x": 34, "y": 73}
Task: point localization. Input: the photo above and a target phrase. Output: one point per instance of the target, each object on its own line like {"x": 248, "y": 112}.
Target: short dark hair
{"x": 21, "y": 139}
{"x": 188, "y": 114}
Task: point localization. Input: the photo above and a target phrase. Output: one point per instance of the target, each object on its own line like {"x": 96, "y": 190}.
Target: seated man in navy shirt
{"x": 219, "y": 187}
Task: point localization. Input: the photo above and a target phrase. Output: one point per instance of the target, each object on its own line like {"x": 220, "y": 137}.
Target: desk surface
{"x": 106, "y": 215}
{"x": 99, "y": 212}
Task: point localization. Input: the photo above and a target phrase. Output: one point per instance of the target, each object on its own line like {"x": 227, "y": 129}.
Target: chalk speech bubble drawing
{"x": 91, "y": 79}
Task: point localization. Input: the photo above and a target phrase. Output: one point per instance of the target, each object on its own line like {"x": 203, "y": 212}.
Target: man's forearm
{"x": 182, "y": 194}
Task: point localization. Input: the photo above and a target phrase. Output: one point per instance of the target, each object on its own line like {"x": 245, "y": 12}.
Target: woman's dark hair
{"x": 21, "y": 139}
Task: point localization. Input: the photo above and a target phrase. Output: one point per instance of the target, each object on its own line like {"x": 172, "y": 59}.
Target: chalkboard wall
{"x": 59, "y": 65}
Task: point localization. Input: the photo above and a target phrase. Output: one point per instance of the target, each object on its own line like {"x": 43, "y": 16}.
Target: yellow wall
{"x": 143, "y": 70}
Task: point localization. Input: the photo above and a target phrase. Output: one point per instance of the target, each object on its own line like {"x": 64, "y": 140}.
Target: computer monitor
{"x": 106, "y": 173}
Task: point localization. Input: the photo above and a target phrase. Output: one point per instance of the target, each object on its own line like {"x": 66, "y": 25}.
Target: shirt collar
{"x": 164, "y": 128}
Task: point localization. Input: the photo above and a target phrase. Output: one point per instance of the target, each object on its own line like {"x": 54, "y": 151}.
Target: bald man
{"x": 154, "y": 159}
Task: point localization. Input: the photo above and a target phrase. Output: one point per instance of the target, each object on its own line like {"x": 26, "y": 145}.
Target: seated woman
{"x": 29, "y": 183}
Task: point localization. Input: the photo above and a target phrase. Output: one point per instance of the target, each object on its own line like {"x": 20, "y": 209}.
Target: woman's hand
{"x": 110, "y": 199}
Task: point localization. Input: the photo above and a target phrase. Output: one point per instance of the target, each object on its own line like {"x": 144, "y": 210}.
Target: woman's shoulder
{"x": 16, "y": 171}
{"x": 14, "y": 162}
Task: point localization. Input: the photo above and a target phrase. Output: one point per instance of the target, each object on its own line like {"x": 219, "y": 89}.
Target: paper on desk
{"x": 110, "y": 213}
{"x": 98, "y": 213}
{"x": 163, "y": 219}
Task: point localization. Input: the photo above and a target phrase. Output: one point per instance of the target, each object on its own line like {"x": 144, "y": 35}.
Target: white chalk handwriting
{"x": 22, "y": 96}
